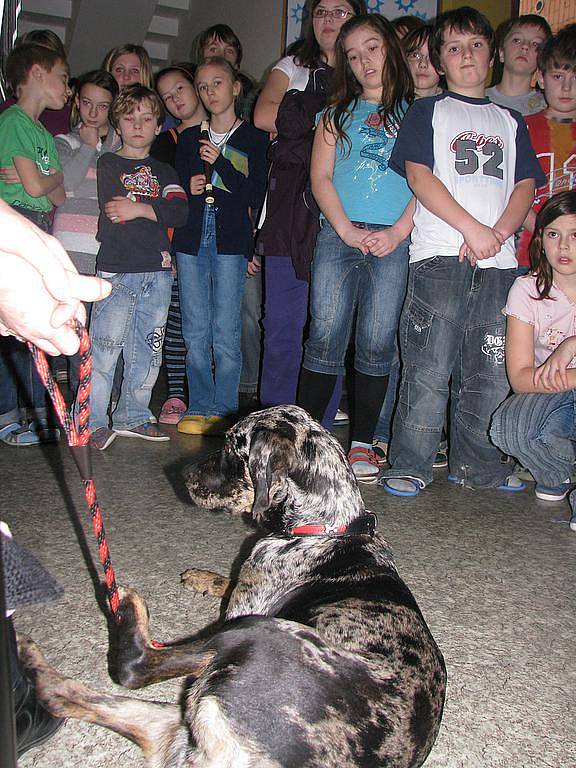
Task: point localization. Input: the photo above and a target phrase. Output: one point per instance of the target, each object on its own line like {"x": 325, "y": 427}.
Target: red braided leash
{"x": 77, "y": 438}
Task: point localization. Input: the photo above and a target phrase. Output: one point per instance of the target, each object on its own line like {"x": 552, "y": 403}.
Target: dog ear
{"x": 272, "y": 456}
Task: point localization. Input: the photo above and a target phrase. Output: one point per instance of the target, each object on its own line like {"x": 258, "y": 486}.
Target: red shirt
{"x": 554, "y": 142}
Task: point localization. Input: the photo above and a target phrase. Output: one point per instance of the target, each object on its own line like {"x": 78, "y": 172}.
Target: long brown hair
{"x": 562, "y": 204}
{"x": 345, "y": 90}
{"x": 308, "y": 51}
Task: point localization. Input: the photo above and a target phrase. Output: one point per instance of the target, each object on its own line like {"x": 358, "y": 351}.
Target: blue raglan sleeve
{"x": 415, "y": 140}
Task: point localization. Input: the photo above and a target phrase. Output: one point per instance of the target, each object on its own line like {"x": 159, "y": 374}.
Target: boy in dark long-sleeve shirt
{"x": 139, "y": 198}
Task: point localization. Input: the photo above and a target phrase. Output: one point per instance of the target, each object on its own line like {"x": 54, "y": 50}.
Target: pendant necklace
{"x": 226, "y": 136}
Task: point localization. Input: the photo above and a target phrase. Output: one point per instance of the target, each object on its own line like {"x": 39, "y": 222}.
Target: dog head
{"x": 283, "y": 469}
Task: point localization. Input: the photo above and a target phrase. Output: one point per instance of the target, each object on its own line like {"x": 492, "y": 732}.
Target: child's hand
{"x": 465, "y": 253}
{"x": 121, "y": 209}
{"x": 89, "y": 134}
{"x": 9, "y": 175}
{"x": 484, "y": 242}
{"x": 553, "y": 374}
{"x": 254, "y": 266}
{"x": 354, "y": 237}
{"x": 209, "y": 152}
{"x": 381, "y": 242}
{"x": 197, "y": 184}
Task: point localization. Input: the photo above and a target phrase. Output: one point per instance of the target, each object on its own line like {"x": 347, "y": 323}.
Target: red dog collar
{"x": 365, "y": 525}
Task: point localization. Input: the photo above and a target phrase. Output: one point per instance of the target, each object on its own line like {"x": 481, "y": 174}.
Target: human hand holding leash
{"x": 40, "y": 289}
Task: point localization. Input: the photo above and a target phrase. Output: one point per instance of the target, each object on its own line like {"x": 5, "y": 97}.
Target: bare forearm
{"x": 522, "y": 381}
{"x": 436, "y": 198}
{"x": 57, "y": 196}
{"x": 42, "y": 186}
{"x": 329, "y": 203}
{"x": 405, "y": 223}
{"x": 519, "y": 205}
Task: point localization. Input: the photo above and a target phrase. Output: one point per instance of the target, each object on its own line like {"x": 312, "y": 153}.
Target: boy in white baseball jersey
{"x": 471, "y": 167}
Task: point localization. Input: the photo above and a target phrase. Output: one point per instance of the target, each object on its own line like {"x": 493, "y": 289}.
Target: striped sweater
{"x": 76, "y": 221}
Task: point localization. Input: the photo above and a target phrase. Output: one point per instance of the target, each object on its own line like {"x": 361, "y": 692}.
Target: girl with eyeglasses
{"x": 294, "y": 93}
{"x": 426, "y": 78}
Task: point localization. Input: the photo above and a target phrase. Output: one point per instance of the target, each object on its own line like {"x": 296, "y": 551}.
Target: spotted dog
{"x": 323, "y": 660}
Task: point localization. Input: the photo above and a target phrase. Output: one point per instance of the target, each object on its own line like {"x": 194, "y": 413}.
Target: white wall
{"x": 258, "y": 24}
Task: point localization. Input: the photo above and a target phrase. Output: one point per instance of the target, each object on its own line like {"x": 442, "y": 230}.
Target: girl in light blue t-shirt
{"x": 360, "y": 264}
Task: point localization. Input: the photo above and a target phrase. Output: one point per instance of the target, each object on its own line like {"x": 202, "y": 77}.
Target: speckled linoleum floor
{"x": 492, "y": 572}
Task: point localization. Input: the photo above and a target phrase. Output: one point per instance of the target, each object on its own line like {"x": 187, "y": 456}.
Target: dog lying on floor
{"x": 324, "y": 659}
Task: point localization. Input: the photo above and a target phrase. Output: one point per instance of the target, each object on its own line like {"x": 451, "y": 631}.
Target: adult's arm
{"x": 269, "y": 100}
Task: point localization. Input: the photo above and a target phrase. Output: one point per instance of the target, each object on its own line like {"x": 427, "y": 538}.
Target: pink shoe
{"x": 172, "y": 411}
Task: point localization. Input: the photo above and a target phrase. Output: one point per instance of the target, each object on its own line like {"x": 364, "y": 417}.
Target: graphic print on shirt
{"x": 381, "y": 136}
{"x": 142, "y": 183}
{"x": 43, "y": 161}
{"x": 238, "y": 159}
{"x": 559, "y": 165}
{"x": 478, "y": 155}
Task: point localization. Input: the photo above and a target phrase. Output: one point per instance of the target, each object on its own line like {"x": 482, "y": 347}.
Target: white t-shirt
{"x": 297, "y": 74}
{"x": 479, "y": 151}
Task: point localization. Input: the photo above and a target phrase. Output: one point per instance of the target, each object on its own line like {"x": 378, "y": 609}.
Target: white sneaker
{"x": 341, "y": 419}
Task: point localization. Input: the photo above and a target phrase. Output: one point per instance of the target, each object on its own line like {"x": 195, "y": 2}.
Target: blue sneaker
{"x": 553, "y": 492}
{"x": 512, "y": 484}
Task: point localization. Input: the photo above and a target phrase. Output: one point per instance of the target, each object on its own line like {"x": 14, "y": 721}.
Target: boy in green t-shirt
{"x": 30, "y": 174}
{"x": 31, "y": 181}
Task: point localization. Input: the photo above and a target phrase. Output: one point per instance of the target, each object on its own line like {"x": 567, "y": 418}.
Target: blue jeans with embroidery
{"x": 211, "y": 289}
{"x": 131, "y": 321}
{"x": 452, "y": 327}
{"x": 540, "y": 431}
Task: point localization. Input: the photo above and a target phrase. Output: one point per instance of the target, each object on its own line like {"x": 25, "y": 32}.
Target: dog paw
{"x": 205, "y": 582}
{"x": 29, "y": 653}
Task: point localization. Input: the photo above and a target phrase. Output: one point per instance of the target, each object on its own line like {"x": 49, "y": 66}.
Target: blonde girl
{"x": 213, "y": 248}
{"x": 129, "y": 64}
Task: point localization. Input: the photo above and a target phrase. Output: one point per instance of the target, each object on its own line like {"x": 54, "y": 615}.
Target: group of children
{"x": 119, "y": 207}
{"x": 436, "y": 198}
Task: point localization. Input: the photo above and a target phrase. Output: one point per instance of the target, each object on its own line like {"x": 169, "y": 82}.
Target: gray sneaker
{"x": 572, "y": 500}
{"x": 101, "y": 438}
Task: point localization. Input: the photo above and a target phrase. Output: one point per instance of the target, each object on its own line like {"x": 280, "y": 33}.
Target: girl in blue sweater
{"x": 213, "y": 248}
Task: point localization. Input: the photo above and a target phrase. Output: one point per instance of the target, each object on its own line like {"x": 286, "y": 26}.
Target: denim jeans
{"x": 383, "y": 429}
{"x": 251, "y": 315}
{"x": 540, "y": 431}
{"x": 348, "y": 285}
{"x": 451, "y": 326}
{"x": 131, "y": 321}
{"x": 20, "y": 385}
{"x": 211, "y": 289}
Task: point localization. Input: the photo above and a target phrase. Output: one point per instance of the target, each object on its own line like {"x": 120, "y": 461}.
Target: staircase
{"x": 60, "y": 17}
{"x": 164, "y": 29}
